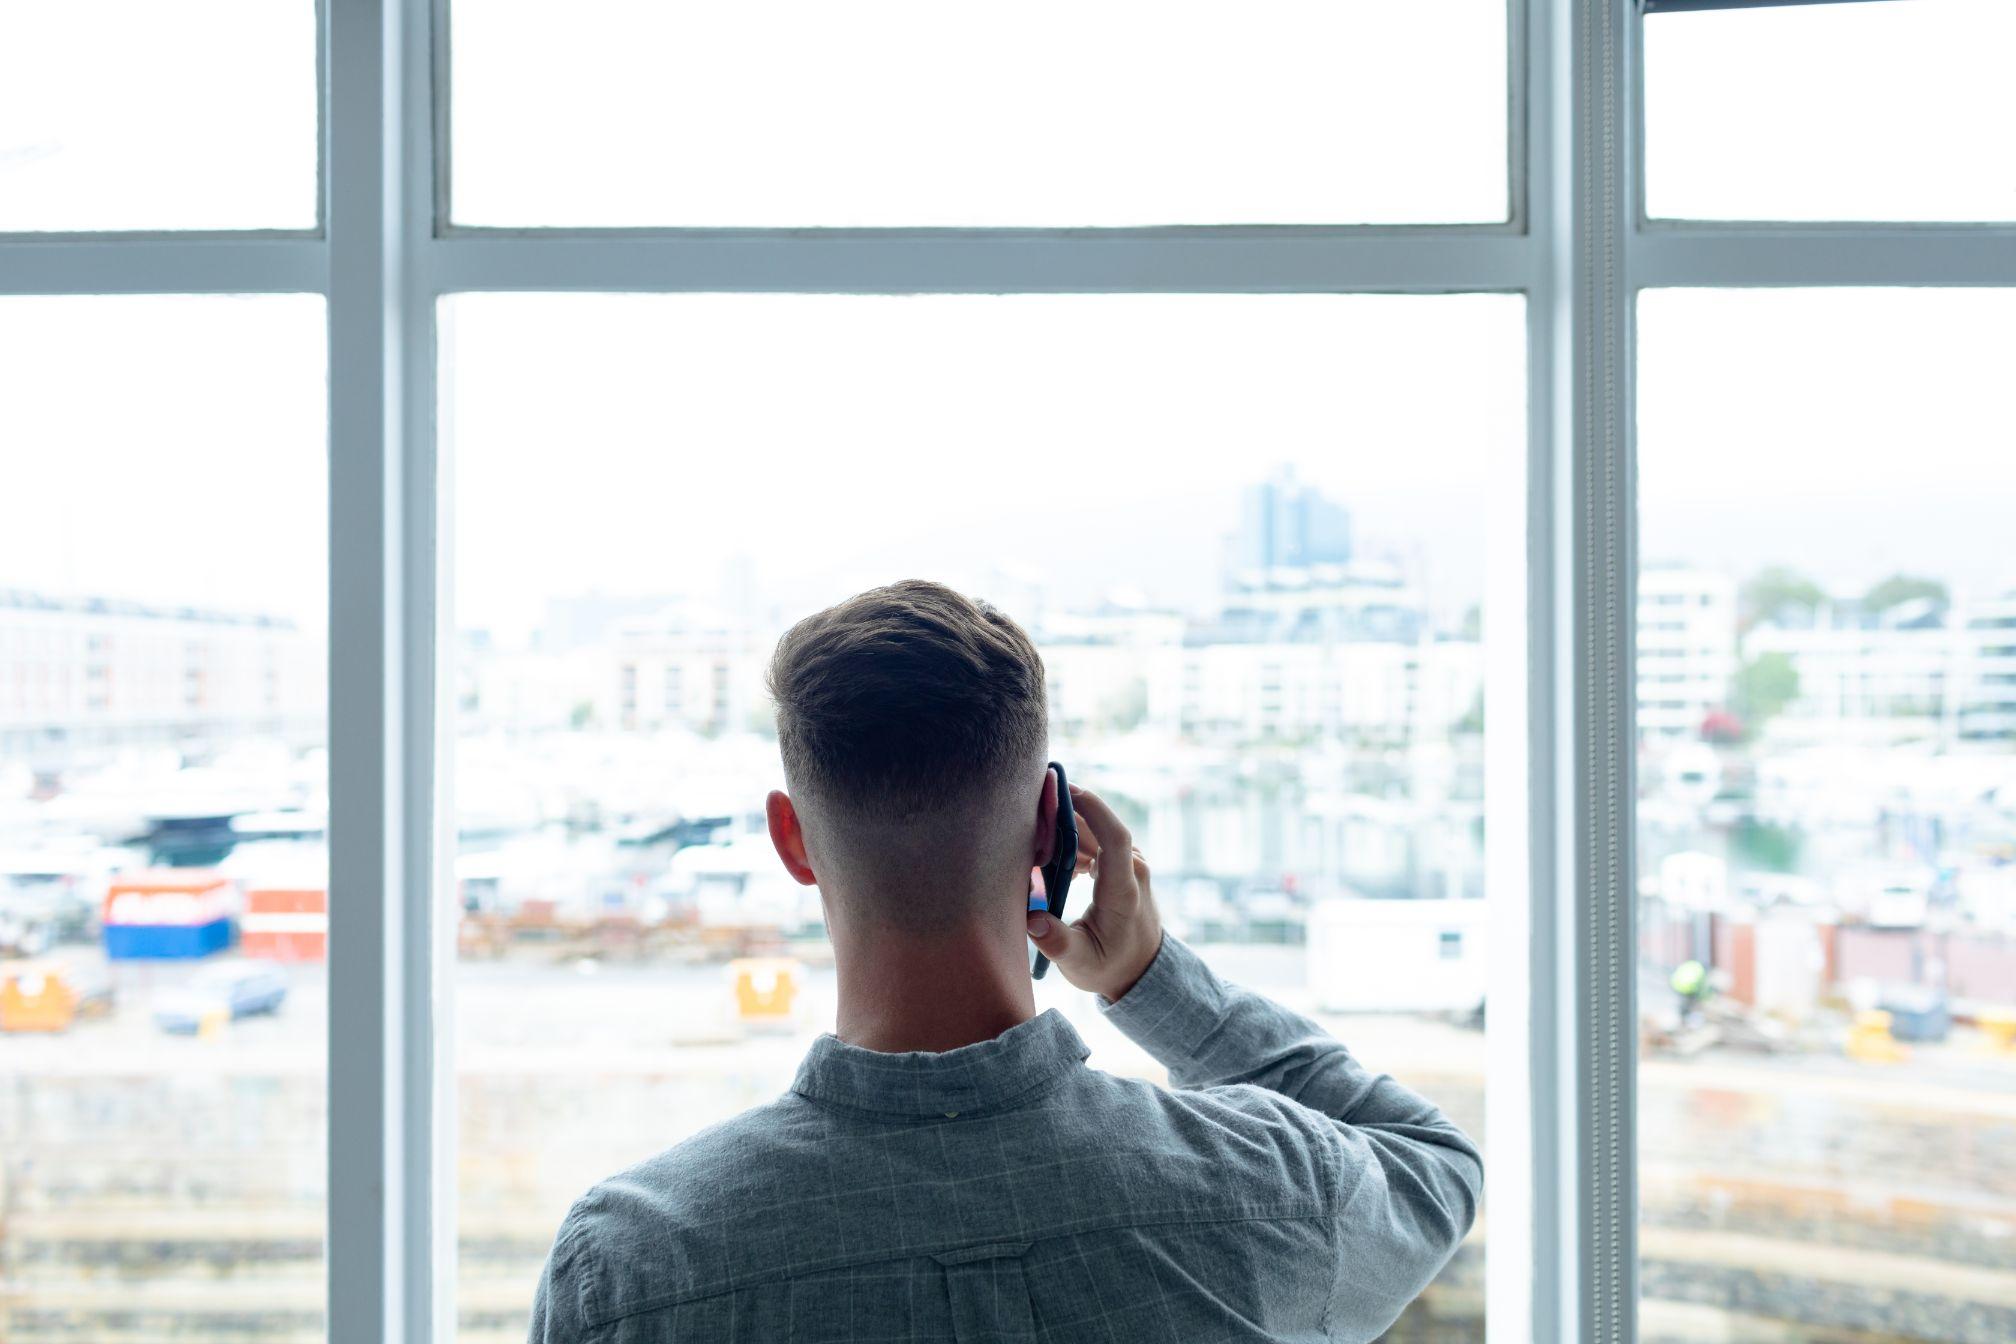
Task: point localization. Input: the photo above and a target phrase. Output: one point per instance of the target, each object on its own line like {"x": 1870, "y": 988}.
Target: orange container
{"x": 285, "y": 923}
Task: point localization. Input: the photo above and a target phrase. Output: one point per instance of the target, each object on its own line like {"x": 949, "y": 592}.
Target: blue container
{"x": 1917, "y": 1014}
{"x": 166, "y": 942}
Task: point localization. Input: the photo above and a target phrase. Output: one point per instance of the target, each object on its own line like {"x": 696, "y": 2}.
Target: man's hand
{"x": 1111, "y": 946}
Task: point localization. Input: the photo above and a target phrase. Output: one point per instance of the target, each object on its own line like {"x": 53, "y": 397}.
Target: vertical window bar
{"x": 376, "y": 841}
{"x": 1600, "y": 1014}
{"x": 1527, "y": 1292}
{"x": 431, "y": 1254}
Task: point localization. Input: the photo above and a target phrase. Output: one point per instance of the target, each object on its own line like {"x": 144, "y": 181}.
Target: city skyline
{"x": 1794, "y": 457}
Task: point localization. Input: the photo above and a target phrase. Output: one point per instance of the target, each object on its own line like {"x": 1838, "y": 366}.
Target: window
{"x": 907, "y": 112}
{"x": 1832, "y": 111}
{"x": 163, "y": 1001}
{"x": 741, "y": 460}
{"x": 128, "y": 114}
{"x": 1173, "y": 196}
{"x": 1816, "y": 1131}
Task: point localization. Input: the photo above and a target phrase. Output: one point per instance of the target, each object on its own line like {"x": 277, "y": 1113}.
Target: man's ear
{"x": 788, "y": 836}
{"x": 1046, "y": 818}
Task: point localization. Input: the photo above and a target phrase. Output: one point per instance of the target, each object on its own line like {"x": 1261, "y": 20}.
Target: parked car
{"x": 224, "y": 992}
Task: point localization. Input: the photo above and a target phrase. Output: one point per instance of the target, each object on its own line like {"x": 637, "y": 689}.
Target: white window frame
{"x": 1560, "y": 608}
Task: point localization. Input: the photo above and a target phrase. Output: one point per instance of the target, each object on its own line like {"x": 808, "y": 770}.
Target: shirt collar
{"x": 989, "y": 1076}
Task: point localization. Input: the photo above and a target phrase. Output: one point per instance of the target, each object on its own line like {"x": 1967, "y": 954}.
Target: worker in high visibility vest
{"x": 1690, "y": 982}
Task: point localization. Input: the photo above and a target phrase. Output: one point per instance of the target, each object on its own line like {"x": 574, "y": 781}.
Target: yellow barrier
{"x": 766, "y": 989}
{"x": 1870, "y": 1041}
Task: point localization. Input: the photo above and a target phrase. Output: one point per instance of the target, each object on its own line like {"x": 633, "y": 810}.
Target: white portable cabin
{"x": 1396, "y": 956}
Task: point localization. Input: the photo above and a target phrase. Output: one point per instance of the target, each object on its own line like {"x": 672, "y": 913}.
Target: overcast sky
{"x": 172, "y": 449}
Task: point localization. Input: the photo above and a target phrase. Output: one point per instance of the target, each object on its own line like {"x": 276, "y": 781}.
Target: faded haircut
{"x": 907, "y": 699}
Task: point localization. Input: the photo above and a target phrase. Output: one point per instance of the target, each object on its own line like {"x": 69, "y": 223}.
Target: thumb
{"x": 1065, "y": 946}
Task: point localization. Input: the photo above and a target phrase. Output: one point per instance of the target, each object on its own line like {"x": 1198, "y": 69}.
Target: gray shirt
{"x": 1006, "y": 1191}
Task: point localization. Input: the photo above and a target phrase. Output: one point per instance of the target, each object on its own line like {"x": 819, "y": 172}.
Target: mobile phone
{"x": 1063, "y": 862}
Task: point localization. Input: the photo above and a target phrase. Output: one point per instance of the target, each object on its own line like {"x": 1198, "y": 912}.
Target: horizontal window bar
{"x": 154, "y": 264}
{"x": 1735, "y": 255}
{"x": 911, "y": 262}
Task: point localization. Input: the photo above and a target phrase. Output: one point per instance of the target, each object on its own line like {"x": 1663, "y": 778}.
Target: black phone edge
{"x": 1063, "y": 863}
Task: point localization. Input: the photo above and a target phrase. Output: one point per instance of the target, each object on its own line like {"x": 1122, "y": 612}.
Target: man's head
{"x": 914, "y": 730}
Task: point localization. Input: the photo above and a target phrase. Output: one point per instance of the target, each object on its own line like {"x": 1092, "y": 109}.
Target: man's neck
{"x": 931, "y": 991}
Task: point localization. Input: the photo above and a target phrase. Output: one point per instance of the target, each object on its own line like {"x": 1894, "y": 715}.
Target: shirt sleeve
{"x": 557, "y": 1315}
{"x": 1408, "y": 1180}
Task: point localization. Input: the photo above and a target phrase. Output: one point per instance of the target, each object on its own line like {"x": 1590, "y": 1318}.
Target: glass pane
{"x": 135, "y": 114}
{"x": 1827, "y": 815}
{"x": 1836, "y": 111}
{"x": 701, "y": 470}
{"x": 917, "y": 112}
{"x": 163, "y": 1003}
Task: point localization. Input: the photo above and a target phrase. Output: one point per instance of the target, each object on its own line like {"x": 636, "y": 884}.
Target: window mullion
{"x": 1590, "y": 548}
{"x": 430, "y": 948}
{"x": 380, "y": 1008}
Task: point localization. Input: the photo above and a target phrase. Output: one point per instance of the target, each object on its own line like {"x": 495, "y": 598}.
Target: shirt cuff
{"x": 1173, "y": 1006}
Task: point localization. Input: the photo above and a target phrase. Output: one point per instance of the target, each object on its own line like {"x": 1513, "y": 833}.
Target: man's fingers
{"x": 1107, "y": 828}
{"x": 1115, "y": 884}
{"x": 1063, "y": 944}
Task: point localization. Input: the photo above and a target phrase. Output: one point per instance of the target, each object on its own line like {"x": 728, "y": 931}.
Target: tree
{"x": 1901, "y": 588}
{"x": 1764, "y": 686}
{"x": 1772, "y": 592}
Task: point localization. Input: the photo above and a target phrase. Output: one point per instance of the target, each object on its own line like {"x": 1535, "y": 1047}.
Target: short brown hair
{"x": 907, "y": 698}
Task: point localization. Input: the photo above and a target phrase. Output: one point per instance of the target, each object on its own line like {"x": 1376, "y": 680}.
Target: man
{"x": 946, "y": 1167}
{"x": 1691, "y": 983}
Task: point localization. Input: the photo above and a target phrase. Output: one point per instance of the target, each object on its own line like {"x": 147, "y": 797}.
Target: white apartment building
{"x": 1375, "y": 691}
{"x": 80, "y": 675}
{"x": 1955, "y": 680}
{"x": 689, "y": 665}
{"x": 1686, "y": 648}
{"x": 1235, "y": 693}
{"x": 1986, "y": 699}
{"x": 1238, "y": 679}
{"x": 1874, "y": 680}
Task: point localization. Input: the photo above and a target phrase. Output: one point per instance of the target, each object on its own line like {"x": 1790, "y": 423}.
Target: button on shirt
{"x": 1006, "y": 1191}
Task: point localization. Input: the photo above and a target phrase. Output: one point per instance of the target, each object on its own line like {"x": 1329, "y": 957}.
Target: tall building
{"x": 1686, "y": 648}
{"x": 80, "y": 675}
{"x": 1284, "y": 524}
